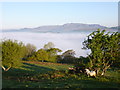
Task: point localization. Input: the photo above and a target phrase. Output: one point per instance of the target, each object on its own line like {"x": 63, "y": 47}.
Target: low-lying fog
{"x": 63, "y": 41}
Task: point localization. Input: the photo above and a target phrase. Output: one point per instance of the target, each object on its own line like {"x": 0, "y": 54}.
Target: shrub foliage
{"x": 12, "y": 53}
{"x": 105, "y": 49}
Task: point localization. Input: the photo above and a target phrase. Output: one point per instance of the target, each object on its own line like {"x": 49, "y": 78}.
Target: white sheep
{"x": 90, "y": 73}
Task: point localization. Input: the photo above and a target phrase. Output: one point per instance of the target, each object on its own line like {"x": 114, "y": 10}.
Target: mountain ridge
{"x": 66, "y": 28}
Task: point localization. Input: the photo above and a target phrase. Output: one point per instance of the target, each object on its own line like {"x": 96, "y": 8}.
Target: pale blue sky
{"x": 34, "y": 14}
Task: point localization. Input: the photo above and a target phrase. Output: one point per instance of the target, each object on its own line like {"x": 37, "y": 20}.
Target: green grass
{"x": 53, "y": 75}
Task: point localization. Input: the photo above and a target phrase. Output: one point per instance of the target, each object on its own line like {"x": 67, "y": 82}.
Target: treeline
{"x": 104, "y": 46}
{"x": 13, "y": 52}
{"x": 47, "y": 54}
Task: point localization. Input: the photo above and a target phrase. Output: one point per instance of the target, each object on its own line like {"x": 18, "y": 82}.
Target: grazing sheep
{"x": 90, "y": 73}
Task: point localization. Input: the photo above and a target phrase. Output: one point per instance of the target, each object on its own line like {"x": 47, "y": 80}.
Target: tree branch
{"x": 6, "y": 69}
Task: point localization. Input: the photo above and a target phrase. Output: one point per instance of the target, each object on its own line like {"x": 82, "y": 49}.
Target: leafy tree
{"x": 84, "y": 61}
{"x": 52, "y": 54}
{"x": 68, "y": 57}
{"x": 104, "y": 49}
{"x": 49, "y": 45}
{"x": 41, "y": 55}
{"x": 46, "y": 54}
{"x": 69, "y": 60}
{"x": 12, "y": 54}
{"x": 30, "y": 50}
{"x": 54, "y": 51}
{"x": 69, "y": 53}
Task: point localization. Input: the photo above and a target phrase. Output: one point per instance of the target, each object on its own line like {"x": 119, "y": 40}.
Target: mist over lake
{"x": 63, "y": 41}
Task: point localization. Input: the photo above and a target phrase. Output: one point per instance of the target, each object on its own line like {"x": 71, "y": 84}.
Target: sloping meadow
{"x": 54, "y": 75}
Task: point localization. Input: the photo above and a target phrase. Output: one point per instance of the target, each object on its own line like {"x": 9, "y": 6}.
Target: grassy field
{"x": 54, "y": 75}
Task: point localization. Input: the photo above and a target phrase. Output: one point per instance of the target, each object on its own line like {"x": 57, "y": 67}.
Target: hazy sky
{"x": 34, "y": 14}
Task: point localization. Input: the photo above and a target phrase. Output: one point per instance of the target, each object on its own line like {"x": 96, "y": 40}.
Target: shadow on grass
{"x": 36, "y": 69}
{"x": 27, "y": 69}
{"x": 9, "y": 79}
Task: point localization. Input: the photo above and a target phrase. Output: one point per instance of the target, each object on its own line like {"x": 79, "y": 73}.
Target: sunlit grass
{"x": 54, "y": 75}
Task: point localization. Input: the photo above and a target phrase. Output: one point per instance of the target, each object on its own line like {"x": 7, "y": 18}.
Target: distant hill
{"x": 68, "y": 27}
{"x": 117, "y": 27}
